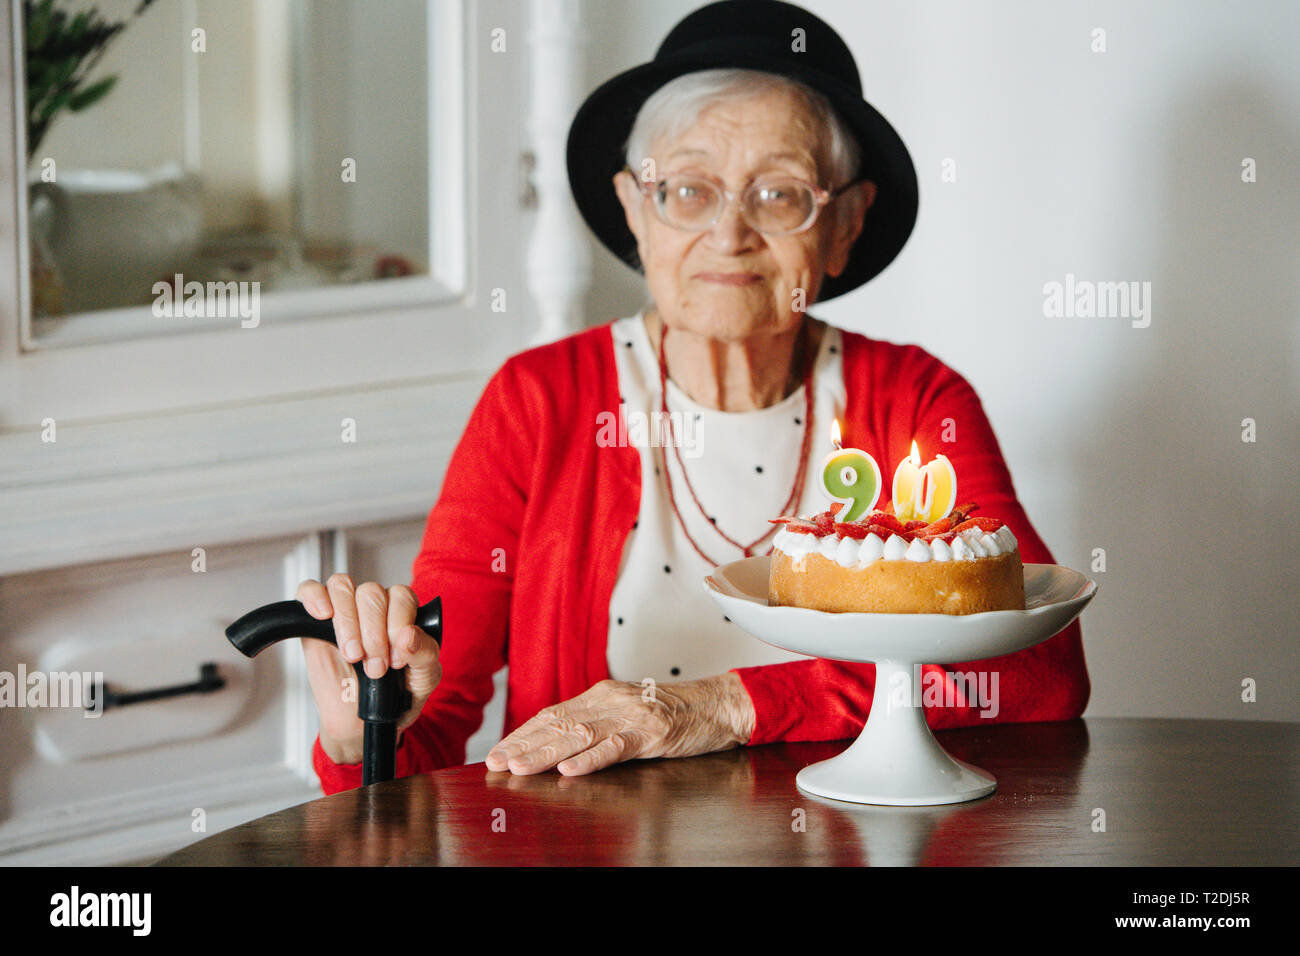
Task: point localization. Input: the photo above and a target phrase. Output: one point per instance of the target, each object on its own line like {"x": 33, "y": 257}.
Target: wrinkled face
{"x": 730, "y": 281}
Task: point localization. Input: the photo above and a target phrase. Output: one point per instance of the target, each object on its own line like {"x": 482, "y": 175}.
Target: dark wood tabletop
{"x": 1098, "y": 791}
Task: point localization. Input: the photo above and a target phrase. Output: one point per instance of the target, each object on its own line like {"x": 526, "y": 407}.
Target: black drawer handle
{"x": 209, "y": 680}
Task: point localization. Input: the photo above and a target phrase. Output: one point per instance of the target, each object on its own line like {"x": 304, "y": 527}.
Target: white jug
{"x": 114, "y": 233}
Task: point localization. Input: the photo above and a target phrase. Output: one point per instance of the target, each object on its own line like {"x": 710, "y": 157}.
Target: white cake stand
{"x": 896, "y": 761}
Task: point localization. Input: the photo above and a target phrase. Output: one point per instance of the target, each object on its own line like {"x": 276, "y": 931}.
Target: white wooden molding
{"x": 312, "y": 558}
{"x": 60, "y": 836}
{"x": 450, "y": 80}
{"x": 558, "y": 261}
{"x": 148, "y": 841}
{"x": 109, "y": 490}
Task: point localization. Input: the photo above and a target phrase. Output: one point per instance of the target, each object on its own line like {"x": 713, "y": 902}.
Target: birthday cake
{"x": 880, "y": 564}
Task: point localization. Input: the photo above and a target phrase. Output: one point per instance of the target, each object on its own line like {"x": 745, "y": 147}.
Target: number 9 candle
{"x": 851, "y": 477}
{"x": 924, "y": 493}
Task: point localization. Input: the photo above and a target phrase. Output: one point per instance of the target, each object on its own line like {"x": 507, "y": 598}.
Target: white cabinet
{"x": 316, "y": 439}
{"x": 139, "y": 780}
{"x": 142, "y": 780}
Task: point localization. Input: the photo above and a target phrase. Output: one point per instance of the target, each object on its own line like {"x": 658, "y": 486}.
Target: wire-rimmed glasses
{"x": 772, "y": 205}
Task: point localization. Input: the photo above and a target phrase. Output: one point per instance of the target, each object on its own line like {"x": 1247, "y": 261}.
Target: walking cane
{"x": 380, "y": 701}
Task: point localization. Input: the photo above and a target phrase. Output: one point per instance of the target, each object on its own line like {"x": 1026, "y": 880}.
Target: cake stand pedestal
{"x": 896, "y": 761}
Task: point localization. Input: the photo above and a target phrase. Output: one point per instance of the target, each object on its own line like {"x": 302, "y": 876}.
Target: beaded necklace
{"x": 795, "y": 493}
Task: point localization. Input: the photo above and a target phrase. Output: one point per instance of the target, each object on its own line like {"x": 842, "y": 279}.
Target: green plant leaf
{"x": 63, "y": 71}
{"x": 38, "y": 18}
{"x": 55, "y": 103}
{"x": 63, "y": 46}
{"x": 91, "y": 94}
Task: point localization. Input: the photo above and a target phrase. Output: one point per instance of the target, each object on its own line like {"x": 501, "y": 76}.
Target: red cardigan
{"x": 528, "y": 485}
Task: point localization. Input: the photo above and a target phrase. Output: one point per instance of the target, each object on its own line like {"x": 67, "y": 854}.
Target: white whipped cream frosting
{"x": 969, "y": 545}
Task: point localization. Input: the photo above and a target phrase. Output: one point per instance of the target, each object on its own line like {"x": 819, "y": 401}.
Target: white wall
{"x": 1123, "y": 165}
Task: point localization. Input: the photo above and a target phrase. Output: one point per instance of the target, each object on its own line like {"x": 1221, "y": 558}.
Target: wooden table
{"x": 1173, "y": 792}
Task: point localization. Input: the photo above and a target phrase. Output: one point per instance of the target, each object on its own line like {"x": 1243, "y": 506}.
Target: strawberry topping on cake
{"x": 883, "y": 524}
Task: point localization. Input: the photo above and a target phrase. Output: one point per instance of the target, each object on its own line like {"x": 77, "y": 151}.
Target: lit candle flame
{"x": 924, "y": 492}
{"x": 835, "y": 434}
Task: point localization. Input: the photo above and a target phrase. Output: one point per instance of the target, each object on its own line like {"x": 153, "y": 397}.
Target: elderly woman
{"x": 747, "y": 177}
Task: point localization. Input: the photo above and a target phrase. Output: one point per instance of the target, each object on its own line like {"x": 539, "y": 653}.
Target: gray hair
{"x": 676, "y": 106}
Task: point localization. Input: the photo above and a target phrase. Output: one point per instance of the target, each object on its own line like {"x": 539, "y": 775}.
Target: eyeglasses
{"x": 779, "y": 206}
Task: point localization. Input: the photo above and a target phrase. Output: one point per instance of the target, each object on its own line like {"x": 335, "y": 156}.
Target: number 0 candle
{"x": 851, "y": 477}
{"x": 924, "y": 493}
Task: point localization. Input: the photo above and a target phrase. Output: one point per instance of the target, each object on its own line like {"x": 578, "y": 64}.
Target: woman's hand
{"x": 379, "y": 625}
{"x": 616, "y": 721}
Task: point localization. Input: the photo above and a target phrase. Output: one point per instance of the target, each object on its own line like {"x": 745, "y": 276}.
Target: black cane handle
{"x": 380, "y": 701}
{"x": 259, "y": 629}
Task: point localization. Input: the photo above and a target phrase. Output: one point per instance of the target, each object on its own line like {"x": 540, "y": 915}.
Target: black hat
{"x": 754, "y": 35}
